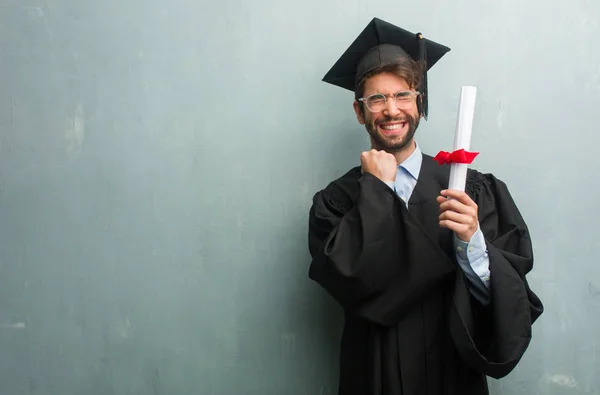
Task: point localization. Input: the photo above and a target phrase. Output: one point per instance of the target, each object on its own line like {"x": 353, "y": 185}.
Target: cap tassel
{"x": 422, "y": 55}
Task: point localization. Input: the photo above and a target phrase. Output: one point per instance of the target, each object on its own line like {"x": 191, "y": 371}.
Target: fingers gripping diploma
{"x": 458, "y": 212}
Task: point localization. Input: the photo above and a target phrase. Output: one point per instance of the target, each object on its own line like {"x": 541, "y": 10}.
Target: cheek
{"x": 415, "y": 111}
{"x": 412, "y": 112}
{"x": 370, "y": 118}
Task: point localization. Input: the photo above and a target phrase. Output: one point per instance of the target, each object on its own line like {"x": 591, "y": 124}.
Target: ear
{"x": 359, "y": 112}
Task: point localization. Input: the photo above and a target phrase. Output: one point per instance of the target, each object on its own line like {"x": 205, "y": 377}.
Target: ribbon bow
{"x": 458, "y": 156}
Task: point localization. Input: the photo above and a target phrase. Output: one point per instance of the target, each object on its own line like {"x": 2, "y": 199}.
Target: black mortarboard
{"x": 381, "y": 43}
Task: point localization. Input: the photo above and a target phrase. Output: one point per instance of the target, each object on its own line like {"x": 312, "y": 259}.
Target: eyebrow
{"x": 393, "y": 93}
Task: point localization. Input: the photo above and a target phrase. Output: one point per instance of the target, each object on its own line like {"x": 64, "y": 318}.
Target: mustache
{"x": 397, "y": 119}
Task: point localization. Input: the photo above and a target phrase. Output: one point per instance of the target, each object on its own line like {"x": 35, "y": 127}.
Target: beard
{"x": 392, "y": 143}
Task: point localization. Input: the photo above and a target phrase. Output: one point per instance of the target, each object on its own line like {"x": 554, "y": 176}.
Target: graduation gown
{"x": 411, "y": 325}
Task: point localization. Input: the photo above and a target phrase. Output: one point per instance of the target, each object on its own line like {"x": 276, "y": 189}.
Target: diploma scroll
{"x": 462, "y": 138}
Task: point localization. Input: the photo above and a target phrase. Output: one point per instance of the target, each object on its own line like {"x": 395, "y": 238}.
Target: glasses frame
{"x": 385, "y": 98}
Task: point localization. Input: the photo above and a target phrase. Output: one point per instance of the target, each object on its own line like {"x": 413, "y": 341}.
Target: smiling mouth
{"x": 392, "y": 128}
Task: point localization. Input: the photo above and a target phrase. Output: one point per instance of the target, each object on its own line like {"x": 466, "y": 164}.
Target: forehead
{"x": 386, "y": 83}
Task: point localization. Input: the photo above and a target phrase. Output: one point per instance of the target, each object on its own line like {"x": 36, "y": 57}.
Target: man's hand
{"x": 380, "y": 164}
{"x": 458, "y": 212}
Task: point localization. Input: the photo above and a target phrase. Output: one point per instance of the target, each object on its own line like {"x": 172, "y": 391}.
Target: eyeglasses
{"x": 378, "y": 101}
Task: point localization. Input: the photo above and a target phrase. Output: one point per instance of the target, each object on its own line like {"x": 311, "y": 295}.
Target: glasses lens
{"x": 376, "y": 102}
{"x": 404, "y": 99}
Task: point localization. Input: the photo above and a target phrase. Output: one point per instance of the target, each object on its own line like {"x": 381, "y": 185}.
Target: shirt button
{"x": 459, "y": 248}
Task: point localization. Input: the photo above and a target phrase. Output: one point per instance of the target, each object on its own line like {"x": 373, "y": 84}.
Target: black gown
{"x": 412, "y": 326}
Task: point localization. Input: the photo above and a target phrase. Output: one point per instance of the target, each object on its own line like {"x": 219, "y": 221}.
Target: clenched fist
{"x": 380, "y": 164}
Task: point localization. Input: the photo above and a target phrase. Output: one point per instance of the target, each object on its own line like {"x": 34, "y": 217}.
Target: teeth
{"x": 393, "y": 127}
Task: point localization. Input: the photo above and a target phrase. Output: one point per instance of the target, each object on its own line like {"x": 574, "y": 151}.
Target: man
{"x": 432, "y": 281}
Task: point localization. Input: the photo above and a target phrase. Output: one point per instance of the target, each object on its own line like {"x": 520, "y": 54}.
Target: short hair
{"x": 404, "y": 67}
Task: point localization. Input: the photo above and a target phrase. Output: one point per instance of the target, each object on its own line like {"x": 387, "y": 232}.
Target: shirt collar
{"x": 412, "y": 164}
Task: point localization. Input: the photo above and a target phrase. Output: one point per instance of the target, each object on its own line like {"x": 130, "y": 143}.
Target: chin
{"x": 393, "y": 141}
{"x": 389, "y": 143}
{"x": 396, "y": 144}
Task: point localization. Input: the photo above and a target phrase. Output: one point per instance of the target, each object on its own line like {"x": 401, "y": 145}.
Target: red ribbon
{"x": 458, "y": 156}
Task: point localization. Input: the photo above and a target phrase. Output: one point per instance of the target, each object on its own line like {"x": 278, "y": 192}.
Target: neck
{"x": 400, "y": 154}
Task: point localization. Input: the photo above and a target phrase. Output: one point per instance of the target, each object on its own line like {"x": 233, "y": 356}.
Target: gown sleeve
{"x": 493, "y": 338}
{"x": 369, "y": 255}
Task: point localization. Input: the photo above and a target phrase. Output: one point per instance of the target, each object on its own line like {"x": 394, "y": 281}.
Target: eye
{"x": 404, "y": 96}
{"x": 376, "y": 100}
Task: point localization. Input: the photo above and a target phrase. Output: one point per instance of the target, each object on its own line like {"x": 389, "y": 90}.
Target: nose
{"x": 391, "y": 109}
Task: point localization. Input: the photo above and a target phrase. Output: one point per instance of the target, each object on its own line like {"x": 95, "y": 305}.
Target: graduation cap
{"x": 382, "y": 43}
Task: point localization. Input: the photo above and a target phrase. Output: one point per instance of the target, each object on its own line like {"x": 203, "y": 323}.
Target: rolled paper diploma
{"x": 462, "y": 138}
